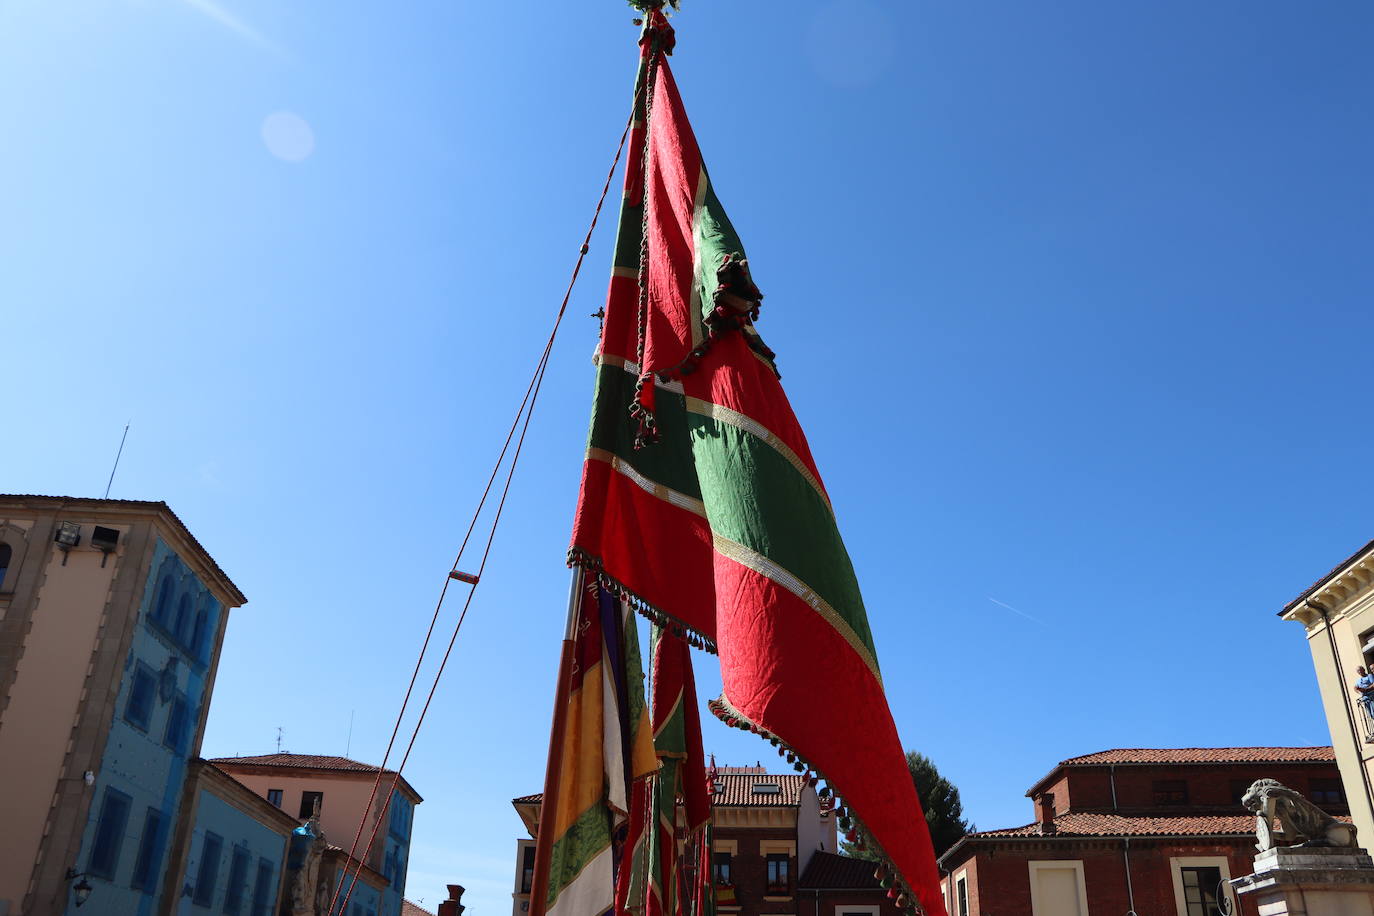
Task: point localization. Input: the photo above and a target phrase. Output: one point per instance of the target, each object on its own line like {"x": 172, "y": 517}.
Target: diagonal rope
{"x": 525, "y": 409}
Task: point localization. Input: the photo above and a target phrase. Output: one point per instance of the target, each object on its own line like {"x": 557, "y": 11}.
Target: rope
{"x": 526, "y": 409}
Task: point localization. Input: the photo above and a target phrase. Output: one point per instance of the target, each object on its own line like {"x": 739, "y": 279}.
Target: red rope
{"x": 526, "y": 409}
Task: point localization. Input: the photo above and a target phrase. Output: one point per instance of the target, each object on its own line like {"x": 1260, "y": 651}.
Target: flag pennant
{"x": 702, "y": 507}
{"x": 607, "y": 747}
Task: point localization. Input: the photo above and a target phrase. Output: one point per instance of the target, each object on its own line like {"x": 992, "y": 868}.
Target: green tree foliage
{"x": 940, "y": 802}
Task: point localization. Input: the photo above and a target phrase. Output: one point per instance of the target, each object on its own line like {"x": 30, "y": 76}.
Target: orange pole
{"x": 543, "y": 841}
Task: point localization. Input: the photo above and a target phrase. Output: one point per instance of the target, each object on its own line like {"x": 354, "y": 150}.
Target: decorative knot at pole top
{"x": 657, "y": 32}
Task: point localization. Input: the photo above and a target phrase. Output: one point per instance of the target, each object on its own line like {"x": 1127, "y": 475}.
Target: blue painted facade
{"x": 365, "y": 900}
{"x": 396, "y": 851}
{"x": 154, "y": 732}
{"x": 235, "y": 862}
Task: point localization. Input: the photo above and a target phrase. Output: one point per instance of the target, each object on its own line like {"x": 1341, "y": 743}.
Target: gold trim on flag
{"x": 653, "y": 488}
{"x": 767, "y": 568}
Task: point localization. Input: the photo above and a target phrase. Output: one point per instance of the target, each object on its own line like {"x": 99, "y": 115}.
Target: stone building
{"x": 773, "y": 851}
{"x": 1337, "y": 614}
{"x": 335, "y": 792}
{"x": 112, "y": 616}
{"x": 111, "y": 619}
{"x": 1151, "y": 831}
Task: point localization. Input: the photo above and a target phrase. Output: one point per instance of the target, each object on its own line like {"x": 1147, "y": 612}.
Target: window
{"x": 526, "y": 869}
{"x": 178, "y": 725}
{"x": 262, "y": 889}
{"x": 181, "y": 629}
{"x": 146, "y": 866}
{"x": 138, "y": 710}
{"x": 767, "y": 788}
{"x": 309, "y": 802}
{"x": 1200, "y": 887}
{"x": 162, "y": 607}
{"x": 1057, "y": 888}
{"x": 400, "y": 816}
{"x": 720, "y": 867}
{"x": 961, "y": 895}
{"x": 109, "y": 834}
{"x": 1326, "y": 791}
{"x": 197, "y": 646}
{"x": 779, "y": 881}
{"x": 208, "y": 873}
{"x": 6, "y": 554}
{"x": 274, "y": 796}
{"x": 1171, "y": 791}
{"x": 238, "y": 881}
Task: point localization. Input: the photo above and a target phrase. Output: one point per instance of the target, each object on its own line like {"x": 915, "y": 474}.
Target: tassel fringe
{"x": 849, "y": 824}
{"x": 583, "y": 560}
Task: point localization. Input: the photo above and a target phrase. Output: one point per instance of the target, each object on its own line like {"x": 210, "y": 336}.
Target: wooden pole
{"x": 543, "y": 841}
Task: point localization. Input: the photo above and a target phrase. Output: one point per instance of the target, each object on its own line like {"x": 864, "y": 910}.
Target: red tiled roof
{"x": 828, "y": 871}
{"x": 1205, "y": 755}
{"x": 1074, "y": 823}
{"x": 413, "y": 909}
{"x": 534, "y": 799}
{"x": 306, "y": 762}
{"x": 737, "y": 790}
{"x": 1128, "y": 756}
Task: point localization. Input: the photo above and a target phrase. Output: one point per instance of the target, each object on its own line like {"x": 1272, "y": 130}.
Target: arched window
{"x": 162, "y": 606}
{"x": 6, "y": 552}
{"x": 182, "y": 628}
{"x": 197, "y": 646}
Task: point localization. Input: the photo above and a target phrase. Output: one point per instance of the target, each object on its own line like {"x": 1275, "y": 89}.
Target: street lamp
{"x": 82, "y": 888}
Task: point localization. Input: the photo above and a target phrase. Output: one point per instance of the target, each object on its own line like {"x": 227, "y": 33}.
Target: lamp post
{"x": 82, "y": 889}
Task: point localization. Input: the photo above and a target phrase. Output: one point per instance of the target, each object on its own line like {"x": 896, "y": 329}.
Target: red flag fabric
{"x": 701, "y": 504}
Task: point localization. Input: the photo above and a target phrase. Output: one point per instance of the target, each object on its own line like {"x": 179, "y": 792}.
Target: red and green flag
{"x": 702, "y": 506}
{"x": 606, "y": 748}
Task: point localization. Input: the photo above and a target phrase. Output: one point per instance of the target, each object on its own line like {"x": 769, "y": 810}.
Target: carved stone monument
{"x": 1310, "y": 866}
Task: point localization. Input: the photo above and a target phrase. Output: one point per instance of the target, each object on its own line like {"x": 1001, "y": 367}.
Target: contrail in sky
{"x": 1017, "y": 611}
{"x": 231, "y": 22}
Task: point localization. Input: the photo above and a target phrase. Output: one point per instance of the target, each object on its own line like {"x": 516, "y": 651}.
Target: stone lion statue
{"x": 1303, "y": 823}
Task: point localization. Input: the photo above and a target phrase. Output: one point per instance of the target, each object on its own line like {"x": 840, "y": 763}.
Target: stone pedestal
{"x": 1310, "y": 881}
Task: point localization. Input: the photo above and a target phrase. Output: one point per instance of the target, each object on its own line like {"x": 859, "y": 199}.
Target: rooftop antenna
{"x": 116, "y": 463}
{"x": 349, "y": 746}
{"x": 278, "y": 739}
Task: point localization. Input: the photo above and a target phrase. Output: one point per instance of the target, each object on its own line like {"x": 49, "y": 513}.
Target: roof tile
{"x": 826, "y": 870}
{"x": 1204, "y": 755}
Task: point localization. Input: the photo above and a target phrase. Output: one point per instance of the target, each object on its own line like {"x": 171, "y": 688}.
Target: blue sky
{"x": 1072, "y": 299}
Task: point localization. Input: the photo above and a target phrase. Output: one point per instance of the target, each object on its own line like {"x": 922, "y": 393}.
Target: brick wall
{"x": 1209, "y": 786}
{"x": 999, "y": 874}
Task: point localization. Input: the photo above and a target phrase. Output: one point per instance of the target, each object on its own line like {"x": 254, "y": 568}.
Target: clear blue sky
{"x": 1073, "y": 299}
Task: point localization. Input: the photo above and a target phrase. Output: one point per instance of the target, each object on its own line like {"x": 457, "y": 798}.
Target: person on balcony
{"x": 1365, "y": 688}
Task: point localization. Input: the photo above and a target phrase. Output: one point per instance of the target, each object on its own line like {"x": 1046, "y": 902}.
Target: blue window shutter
{"x": 262, "y": 889}
{"x": 238, "y": 881}
{"x": 138, "y": 709}
{"x": 149, "y": 861}
{"x": 208, "y": 873}
{"x": 109, "y": 834}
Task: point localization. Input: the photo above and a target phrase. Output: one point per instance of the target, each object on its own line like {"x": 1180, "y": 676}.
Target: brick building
{"x": 773, "y": 851}
{"x": 1154, "y": 831}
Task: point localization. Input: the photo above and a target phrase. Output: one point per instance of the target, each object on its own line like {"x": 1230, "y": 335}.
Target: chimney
{"x": 453, "y": 906}
{"x": 1044, "y": 812}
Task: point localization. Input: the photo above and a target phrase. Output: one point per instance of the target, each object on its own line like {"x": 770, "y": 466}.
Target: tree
{"x": 940, "y": 802}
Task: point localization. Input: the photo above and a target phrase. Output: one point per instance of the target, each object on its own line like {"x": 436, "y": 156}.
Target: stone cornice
{"x": 1339, "y": 591}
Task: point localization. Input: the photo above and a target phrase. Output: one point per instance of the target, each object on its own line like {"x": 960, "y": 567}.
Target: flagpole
{"x": 543, "y": 841}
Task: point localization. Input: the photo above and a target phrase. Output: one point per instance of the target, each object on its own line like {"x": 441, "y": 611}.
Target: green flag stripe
{"x": 612, "y": 432}
{"x": 575, "y": 850}
{"x": 759, "y": 431}
{"x": 782, "y": 518}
